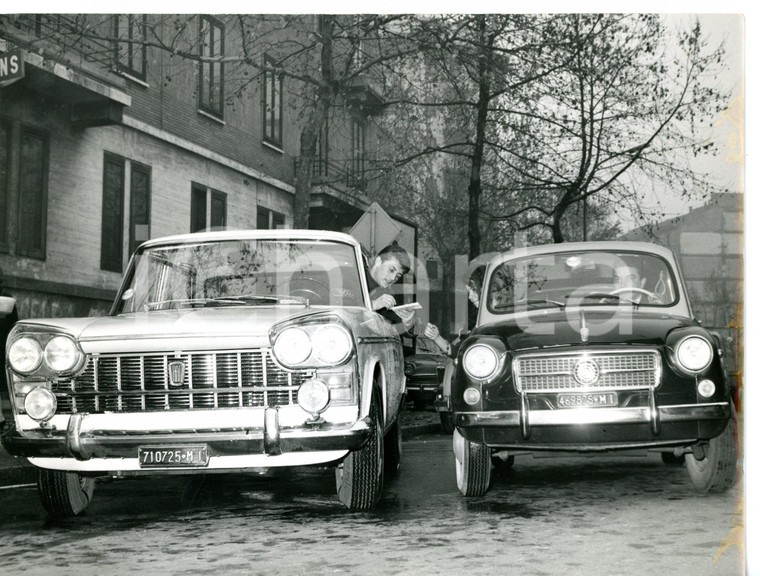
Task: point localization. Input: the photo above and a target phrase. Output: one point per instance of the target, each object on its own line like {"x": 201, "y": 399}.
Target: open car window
{"x": 590, "y": 278}
{"x": 243, "y": 273}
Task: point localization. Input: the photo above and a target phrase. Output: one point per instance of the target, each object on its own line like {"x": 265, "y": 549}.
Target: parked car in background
{"x": 589, "y": 347}
{"x": 424, "y": 371}
{"x": 224, "y": 351}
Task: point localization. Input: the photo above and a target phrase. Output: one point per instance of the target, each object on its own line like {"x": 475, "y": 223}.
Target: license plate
{"x": 174, "y": 457}
{"x": 594, "y": 400}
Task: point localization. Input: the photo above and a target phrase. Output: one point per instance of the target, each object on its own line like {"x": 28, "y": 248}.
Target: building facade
{"x": 108, "y": 139}
{"x": 708, "y": 242}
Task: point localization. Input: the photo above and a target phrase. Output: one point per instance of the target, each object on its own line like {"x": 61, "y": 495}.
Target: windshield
{"x": 587, "y": 278}
{"x": 243, "y": 273}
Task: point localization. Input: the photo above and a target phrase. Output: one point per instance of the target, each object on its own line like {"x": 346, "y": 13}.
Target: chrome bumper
{"x": 236, "y": 439}
{"x": 654, "y": 415}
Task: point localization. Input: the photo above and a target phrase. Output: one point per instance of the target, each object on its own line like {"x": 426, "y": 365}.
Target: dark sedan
{"x": 424, "y": 370}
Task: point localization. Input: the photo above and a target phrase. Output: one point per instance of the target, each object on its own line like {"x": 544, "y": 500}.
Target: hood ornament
{"x": 584, "y": 328}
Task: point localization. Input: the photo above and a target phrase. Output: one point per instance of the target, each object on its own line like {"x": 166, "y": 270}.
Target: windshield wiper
{"x": 533, "y": 302}
{"x": 607, "y": 296}
{"x": 245, "y": 299}
{"x": 180, "y": 302}
{"x": 242, "y": 300}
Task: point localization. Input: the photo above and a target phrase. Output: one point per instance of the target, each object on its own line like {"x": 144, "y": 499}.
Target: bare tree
{"x": 623, "y": 112}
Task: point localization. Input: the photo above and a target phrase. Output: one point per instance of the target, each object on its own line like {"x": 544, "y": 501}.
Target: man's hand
{"x": 431, "y": 331}
{"x": 384, "y": 301}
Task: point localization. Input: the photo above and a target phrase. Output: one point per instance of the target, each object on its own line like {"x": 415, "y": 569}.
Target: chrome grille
{"x": 140, "y": 383}
{"x": 617, "y": 370}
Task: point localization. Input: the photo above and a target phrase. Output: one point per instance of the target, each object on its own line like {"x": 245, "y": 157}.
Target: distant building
{"x": 708, "y": 243}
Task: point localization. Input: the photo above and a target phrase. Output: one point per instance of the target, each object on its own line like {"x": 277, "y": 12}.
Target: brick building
{"x": 105, "y": 144}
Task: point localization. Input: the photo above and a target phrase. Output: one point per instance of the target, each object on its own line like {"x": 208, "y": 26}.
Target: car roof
{"x": 613, "y": 246}
{"x": 281, "y": 234}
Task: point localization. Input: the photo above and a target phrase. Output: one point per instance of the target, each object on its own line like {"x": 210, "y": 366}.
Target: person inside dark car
{"x": 630, "y": 285}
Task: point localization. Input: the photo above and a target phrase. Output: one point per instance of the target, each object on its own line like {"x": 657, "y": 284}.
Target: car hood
{"x": 563, "y": 328}
{"x": 201, "y": 328}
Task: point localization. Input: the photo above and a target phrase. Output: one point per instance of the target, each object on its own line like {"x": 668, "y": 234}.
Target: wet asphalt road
{"x": 606, "y": 515}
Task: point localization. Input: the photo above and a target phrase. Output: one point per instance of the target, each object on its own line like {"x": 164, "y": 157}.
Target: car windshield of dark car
{"x": 590, "y": 278}
{"x": 243, "y": 273}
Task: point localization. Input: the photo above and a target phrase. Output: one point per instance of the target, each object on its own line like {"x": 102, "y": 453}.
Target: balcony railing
{"x": 325, "y": 171}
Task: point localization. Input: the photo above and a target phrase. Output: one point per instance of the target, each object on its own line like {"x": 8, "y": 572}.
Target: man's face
{"x": 627, "y": 277}
{"x": 386, "y": 272}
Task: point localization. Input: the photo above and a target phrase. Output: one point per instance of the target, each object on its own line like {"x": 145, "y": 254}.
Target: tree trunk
{"x": 317, "y": 118}
{"x": 559, "y": 211}
{"x": 474, "y": 189}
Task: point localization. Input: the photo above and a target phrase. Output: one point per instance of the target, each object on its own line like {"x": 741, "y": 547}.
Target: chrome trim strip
{"x": 581, "y": 416}
{"x": 187, "y": 420}
{"x": 232, "y": 463}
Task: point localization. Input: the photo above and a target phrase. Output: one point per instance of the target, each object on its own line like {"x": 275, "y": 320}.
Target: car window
{"x": 588, "y": 278}
{"x": 243, "y": 272}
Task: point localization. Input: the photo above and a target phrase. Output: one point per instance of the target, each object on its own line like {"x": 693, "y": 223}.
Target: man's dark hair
{"x": 475, "y": 280}
{"x": 395, "y": 250}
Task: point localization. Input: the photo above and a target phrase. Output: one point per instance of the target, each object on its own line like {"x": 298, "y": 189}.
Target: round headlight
{"x": 313, "y": 395}
{"x": 694, "y": 353}
{"x": 25, "y": 355}
{"x": 480, "y": 361}
{"x": 332, "y": 344}
{"x": 292, "y": 346}
{"x": 61, "y": 354}
{"x": 40, "y": 404}
{"x": 409, "y": 369}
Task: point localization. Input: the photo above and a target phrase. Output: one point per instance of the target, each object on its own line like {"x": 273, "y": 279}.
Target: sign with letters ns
{"x": 11, "y": 67}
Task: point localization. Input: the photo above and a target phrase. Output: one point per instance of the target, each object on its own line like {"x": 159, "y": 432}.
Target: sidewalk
{"x": 15, "y": 471}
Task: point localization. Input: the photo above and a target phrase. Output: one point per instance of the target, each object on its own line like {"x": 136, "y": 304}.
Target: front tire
{"x": 392, "y": 448}
{"x": 359, "y": 478}
{"x": 716, "y": 472}
{"x": 473, "y": 466}
{"x": 64, "y": 493}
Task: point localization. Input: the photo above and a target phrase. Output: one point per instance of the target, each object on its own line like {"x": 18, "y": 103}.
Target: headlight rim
{"x": 51, "y": 396}
{"x": 283, "y": 359}
{"x": 78, "y": 358}
{"x": 40, "y": 355}
{"x": 467, "y": 367}
{"x": 317, "y": 349}
{"x": 677, "y": 357}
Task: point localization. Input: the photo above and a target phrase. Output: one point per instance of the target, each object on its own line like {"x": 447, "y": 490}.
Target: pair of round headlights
{"x": 60, "y": 354}
{"x": 327, "y": 345}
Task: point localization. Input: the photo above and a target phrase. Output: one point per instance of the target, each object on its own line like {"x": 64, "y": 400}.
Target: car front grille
{"x": 617, "y": 370}
{"x": 142, "y": 383}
